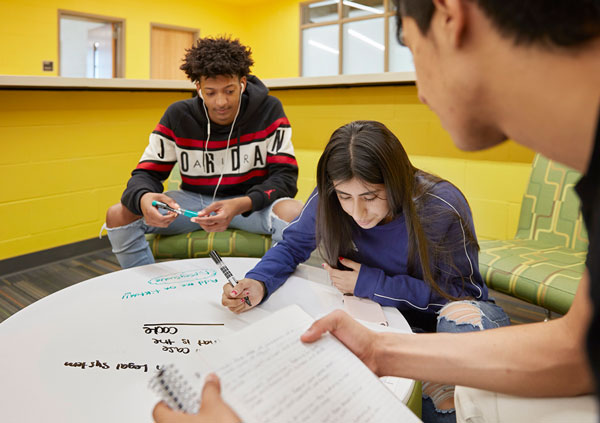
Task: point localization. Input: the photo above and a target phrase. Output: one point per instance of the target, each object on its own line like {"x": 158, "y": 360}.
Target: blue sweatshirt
{"x": 382, "y": 252}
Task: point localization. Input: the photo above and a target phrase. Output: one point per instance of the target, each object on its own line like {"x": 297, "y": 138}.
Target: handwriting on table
{"x": 97, "y": 364}
{"x": 168, "y": 344}
{"x": 173, "y": 281}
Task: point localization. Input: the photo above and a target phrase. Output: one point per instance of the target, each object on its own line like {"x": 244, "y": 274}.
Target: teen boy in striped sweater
{"x": 235, "y": 155}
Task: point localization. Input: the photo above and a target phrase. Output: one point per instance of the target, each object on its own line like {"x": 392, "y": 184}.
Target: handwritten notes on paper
{"x": 288, "y": 381}
{"x": 179, "y": 280}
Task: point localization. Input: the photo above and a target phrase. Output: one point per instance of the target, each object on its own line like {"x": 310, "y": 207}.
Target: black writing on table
{"x": 91, "y": 364}
{"x": 183, "y": 350}
{"x": 169, "y": 345}
{"x": 171, "y": 328}
{"x": 97, "y": 364}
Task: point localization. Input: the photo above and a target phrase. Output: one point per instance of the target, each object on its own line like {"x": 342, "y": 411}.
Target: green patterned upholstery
{"x": 545, "y": 261}
{"x": 232, "y": 242}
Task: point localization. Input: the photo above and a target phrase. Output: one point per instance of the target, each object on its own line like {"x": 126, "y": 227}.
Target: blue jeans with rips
{"x": 457, "y": 317}
{"x": 131, "y": 248}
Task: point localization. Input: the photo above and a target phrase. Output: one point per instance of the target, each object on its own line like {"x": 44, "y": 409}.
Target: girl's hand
{"x": 344, "y": 280}
{"x": 233, "y": 297}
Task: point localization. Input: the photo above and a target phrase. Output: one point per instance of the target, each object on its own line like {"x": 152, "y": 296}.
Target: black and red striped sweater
{"x": 259, "y": 162}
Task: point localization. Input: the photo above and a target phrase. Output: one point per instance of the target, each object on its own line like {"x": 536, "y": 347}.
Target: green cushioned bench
{"x": 229, "y": 243}
{"x": 545, "y": 261}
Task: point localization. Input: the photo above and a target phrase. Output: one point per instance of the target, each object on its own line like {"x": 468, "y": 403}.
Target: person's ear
{"x": 199, "y": 90}
{"x": 451, "y": 18}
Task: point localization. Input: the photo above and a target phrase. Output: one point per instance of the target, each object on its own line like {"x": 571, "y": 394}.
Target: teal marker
{"x": 161, "y": 205}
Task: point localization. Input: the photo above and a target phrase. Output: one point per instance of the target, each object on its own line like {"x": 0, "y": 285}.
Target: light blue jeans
{"x": 131, "y": 248}
{"x": 457, "y": 317}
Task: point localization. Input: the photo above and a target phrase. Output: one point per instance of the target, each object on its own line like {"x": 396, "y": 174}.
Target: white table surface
{"x": 87, "y": 352}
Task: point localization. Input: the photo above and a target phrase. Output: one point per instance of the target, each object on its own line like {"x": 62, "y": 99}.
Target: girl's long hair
{"x": 370, "y": 152}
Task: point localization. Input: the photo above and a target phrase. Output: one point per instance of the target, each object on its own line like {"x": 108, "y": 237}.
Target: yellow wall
{"x": 272, "y": 30}
{"x": 66, "y": 156}
{"x": 316, "y": 113}
{"x": 493, "y": 180}
{"x": 29, "y": 30}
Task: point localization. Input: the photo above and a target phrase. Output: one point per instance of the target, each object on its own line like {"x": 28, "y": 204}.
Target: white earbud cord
{"x": 228, "y": 140}
{"x": 207, "y": 126}
{"x": 227, "y": 149}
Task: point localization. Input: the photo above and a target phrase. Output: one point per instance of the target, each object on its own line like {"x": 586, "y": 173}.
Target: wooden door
{"x": 167, "y": 50}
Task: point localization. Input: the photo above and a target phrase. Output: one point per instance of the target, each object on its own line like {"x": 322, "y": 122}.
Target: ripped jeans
{"x": 456, "y": 317}
{"x": 131, "y": 248}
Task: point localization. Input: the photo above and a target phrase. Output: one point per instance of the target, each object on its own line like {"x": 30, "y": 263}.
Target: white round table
{"x": 87, "y": 352}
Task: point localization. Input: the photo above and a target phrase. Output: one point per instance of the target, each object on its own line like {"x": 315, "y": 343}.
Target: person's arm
{"x": 154, "y": 167}
{"x": 296, "y": 246}
{"x": 537, "y": 360}
{"x": 277, "y": 264}
{"x": 403, "y": 292}
{"x": 281, "y": 163}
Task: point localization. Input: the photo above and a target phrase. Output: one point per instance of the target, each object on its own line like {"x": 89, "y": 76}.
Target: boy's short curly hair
{"x": 211, "y": 57}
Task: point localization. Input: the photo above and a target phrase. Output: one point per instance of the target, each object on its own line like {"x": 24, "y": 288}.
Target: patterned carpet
{"x": 18, "y": 290}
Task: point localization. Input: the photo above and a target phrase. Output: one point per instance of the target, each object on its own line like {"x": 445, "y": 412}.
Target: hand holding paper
{"x": 213, "y": 409}
{"x": 284, "y": 380}
{"x": 352, "y": 334}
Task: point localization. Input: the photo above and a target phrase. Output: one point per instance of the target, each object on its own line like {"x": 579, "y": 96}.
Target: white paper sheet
{"x": 268, "y": 375}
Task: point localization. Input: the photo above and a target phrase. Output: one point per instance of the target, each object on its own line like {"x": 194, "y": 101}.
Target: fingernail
{"x": 246, "y": 293}
{"x": 211, "y": 377}
{"x": 242, "y": 300}
{"x": 234, "y": 292}
{"x": 341, "y": 258}
{"x": 322, "y": 264}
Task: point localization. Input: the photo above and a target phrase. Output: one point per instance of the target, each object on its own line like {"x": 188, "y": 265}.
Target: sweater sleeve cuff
{"x": 368, "y": 279}
{"x": 269, "y": 288}
{"x": 258, "y": 202}
{"x": 135, "y": 205}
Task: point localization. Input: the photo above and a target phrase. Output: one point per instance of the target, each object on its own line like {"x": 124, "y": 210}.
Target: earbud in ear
{"x": 200, "y": 94}
{"x": 242, "y": 85}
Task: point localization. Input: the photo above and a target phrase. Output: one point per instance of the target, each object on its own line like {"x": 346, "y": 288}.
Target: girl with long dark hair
{"x": 389, "y": 232}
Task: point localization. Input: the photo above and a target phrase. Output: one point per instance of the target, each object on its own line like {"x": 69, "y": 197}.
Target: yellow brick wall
{"x": 68, "y": 155}
{"x": 493, "y": 189}
{"x": 493, "y": 180}
{"x": 66, "y": 158}
{"x": 316, "y": 113}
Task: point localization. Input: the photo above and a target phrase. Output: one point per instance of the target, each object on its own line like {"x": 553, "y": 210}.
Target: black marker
{"x": 230, "y": 278}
